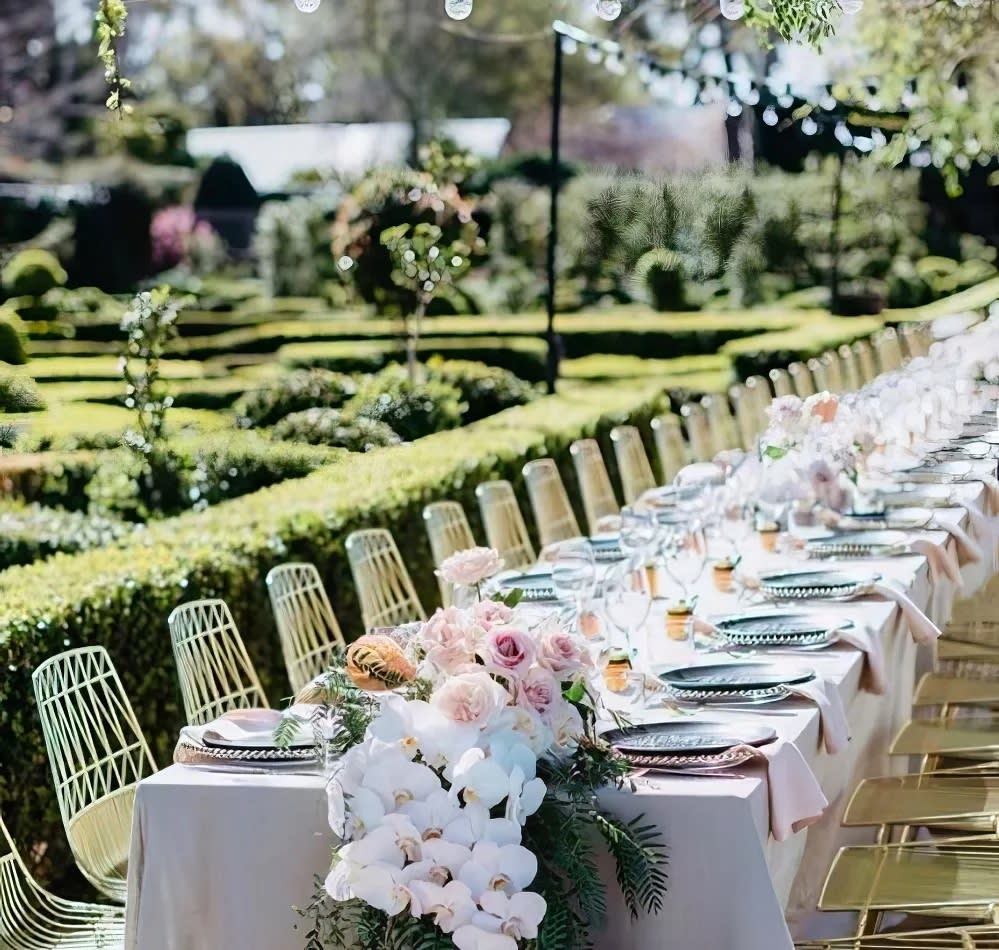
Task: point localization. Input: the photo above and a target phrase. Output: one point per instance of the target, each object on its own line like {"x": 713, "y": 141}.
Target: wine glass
{"x": 736, "y": 521}
{"x": 638, "y": 531}
{"x": 688, "y": 559}
{"x": 627, "y": 602}
{"x": 574, "y": 574}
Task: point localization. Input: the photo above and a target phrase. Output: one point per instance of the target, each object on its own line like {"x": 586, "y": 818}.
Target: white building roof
{"x": 270, "y": 154}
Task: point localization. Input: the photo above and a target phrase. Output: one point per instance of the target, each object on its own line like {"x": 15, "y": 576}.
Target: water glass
{"x": 627, "y": 602}
{"x": 574, "y": 574}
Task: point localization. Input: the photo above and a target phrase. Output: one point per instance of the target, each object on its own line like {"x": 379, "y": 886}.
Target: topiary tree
{"x": 32, "y": 273}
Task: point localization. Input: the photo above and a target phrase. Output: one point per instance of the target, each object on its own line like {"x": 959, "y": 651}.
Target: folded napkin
{"x": 968, "y": 550}
{"x": 833, "y": 726}
{"x": 921, "y": 628}
{"x": 796, "y": 799}
{"x": 874, "y": 678}
{"x": 942, "y": 562}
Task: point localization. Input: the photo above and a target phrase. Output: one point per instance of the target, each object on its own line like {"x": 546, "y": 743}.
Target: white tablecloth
{"x": 219, "y": 859}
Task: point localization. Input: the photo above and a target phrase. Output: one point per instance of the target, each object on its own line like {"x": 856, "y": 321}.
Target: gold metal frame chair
{"x": 553, "y": 513}
{"x": 820, "y": 375}
{"x": 973, "y": 937}
{"x": 670, "y": 445}
{"x": 850, "y": 368}
{"x": 760, "y": 398}
{"x": 215, "y": 671}
{"x": 599, "y": 503}
{"x": 632, "y": 463}
{"x": 834, "y": 370}
{"x": 698, "y": 433}
{"x": 801, "y": 379}
{"x": 506, "y": 530}
{"x": 866, "y": 362}
{"x": 448, "y": 531}
{"x": 307, "y": 626}
{"x": 782, "y": 383}
{"x": 720, "y": 423}
{"x": 384, "y": 587}
{"x": 745, "y": 415}
{"x": 97, "y": 754}
{"x": 32, "y": 918}
{"x": 888, "y": 350}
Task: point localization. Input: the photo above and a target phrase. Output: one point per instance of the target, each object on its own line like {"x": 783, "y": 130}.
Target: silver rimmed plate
{"x": 926, "y": 496}
{"x": 687, "y": 738}
{"x": 725, "y": 678}
{"x": 866, "y": 543}
{"x": 943, "y": 472}
{"x": 535, "y": 587}
{"x": 795, "y": 630}
{"x": 607, "y": 547}
{"x": 806, "y": 585}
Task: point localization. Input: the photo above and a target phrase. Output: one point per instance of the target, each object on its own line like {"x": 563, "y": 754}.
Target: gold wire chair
{"x": 32, "y": 918}
{"x": 215, "y": 671}
{"x": 888, "y": 350}
{"x": 552, "y": 512}
{"x": 307, "y": 626}
{"x": 97, "y": 754}
{"x": 850, "y": 368}
{"x": 782, "y": 382}
{"x": 760, "y": 399}
{"x": 801, "y": 379}
{"x": 632, "y": 463}
{"x": 599, "y": 504}
{"x": 698, "y": 433}
{"x": 504, "y": 523}
{"x": 670, "y": 445}
{"x": 384, "y": 587}
{"x": 957, "y": 937}
{"x": 820, "y": 375}
{"x": 834, "y": 370}
{"x": 865, "y": 360}
{"x": 448, "y": 531}
{"x": 721, "y": 424}
{"x": 745, "y": 416}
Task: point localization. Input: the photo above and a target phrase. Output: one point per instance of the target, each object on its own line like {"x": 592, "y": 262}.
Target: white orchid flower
{"x": 367, "y": 811}
{"x": 336, "y": 807}
{"x": 338, "y": 881}
{"x": 498, "y": 868}
{"x": 379, "y": 886}
{"x": 510, "y": 751}
{"x": 415, "y": 726}
{"x": 479, "y": 780}
{"x": 475, "y": 825}
{"x": 392, "y": 843}
{"x": 519, "y": 915}
{"x": 451, "y": 905}
{"x": 472, "y": 937}
{"x": 446, "y": 855}
{"x": 524, "y": 725}
{"x": 352, "y": 767}
{"x": 397, "y": 780}
{"x": 434, "y": 814}
{"x": 524, "y": 798}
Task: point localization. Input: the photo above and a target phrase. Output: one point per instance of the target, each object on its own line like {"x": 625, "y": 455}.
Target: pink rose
{"x": 539, "y": 691}
{"x": 471, "y": 567}
{"x": 823, "y": 405}
{"x": 473, "y": 698}
{"x": 567, "y": 726}
{"x": 563, "y": 654}
{"x": 507, "y": 650}
{"x": 449, "y": 641}
{"x": 491, "y": 613}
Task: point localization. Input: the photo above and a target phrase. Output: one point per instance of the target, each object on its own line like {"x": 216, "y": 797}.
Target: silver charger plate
{"x": 693, "y": 764}
{"x": 864, "y": 543}
{"x": 733, "y": 677}
{"x": 535, "y": 587}
{"x": 607, "y": 548}
{"x": 687, "y": 738}
{"x": 807, "y": 585}
{"x": 298, "y": 756}
{"x": 780, "y": 629}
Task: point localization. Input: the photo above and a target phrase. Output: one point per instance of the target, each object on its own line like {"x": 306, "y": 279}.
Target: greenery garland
{"x": 111, "y": 16}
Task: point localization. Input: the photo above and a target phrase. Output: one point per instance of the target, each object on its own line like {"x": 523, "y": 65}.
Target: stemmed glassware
{"x": 687, "y": 560}
{"x": 627, "y": 601}
{"x": 574, "y": 575}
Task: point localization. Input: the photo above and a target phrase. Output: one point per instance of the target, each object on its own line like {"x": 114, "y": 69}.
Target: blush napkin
{"x": 834, "y": 729}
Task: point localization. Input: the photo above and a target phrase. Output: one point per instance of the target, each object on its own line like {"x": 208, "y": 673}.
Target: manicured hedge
{"x": 119, "y": 596}
{"x": 30, "y": 533}
{"x": 974, "y": 298}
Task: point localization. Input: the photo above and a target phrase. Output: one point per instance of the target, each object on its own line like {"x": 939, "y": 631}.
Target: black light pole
{"x": 555, "y": 173}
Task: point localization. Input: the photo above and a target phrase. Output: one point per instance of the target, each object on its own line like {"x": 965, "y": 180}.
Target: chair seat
{"x": 934, "y": 689}
{"x": 960, "y": 881}
{"x": 99, "y": 836}
{"x": 962, "y": 800}
{"x": 967, "y": 738}
{"x": 948, "y": 649}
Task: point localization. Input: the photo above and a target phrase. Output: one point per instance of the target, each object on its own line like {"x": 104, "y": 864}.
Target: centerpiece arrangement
{"x": 465, "y": 796}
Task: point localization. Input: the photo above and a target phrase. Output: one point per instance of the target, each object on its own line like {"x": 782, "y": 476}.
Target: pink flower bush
{"x": 471, "y": 567}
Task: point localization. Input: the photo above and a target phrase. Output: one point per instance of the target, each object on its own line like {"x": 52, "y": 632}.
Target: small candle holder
{"x": 677, "y": 616}
{"x": 616, "y": 673}
{"x": 768, "y": 532}
{"x": 723, "y": 573}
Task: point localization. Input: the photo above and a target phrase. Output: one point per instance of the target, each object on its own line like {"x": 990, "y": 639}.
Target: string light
{"x": 458, "y": 9}
{"x": 307, "y": 6}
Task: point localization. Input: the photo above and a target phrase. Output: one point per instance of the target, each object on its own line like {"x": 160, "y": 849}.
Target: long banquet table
{"x": 221, "y": 859}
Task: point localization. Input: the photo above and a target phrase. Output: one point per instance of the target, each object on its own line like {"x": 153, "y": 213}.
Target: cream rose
{"x": 473, "y": 698}
{"x": 566, "y": 724}
{"x": 490, "y": 613}
{"x": 507, "y": 650}
{"x": 449, "y": 640}
{"x": 471, "y": 567}
{"x": 539, "y": 691}
{"x": 563, "y": 654}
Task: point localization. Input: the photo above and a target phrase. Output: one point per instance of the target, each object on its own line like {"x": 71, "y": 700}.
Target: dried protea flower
{"x": 377, "y": 663}
{"x": 314, "y": 693}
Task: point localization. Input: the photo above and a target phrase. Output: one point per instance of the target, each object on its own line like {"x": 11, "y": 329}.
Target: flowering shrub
{"x": 178, "y": 237}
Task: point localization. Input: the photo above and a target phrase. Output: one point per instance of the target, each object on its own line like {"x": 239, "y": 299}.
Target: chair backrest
{"x": 745, "y": 417}
{"x": 850, "y": 368}
{"x": 720, "y": 422}
{"x": 448, "y": 531}
{"x": 595, "y": 486}
{"x": 633, "y": 463}
{"x": 698, "y": 433}
{"x": 215, "y": 671}
{"x": 760, "y": 398}
{"x": 801, "y": 379}
{"x": 888, "y": 349}
{"x": 504, "y": 523}
{"x": 384, "y": 588}
{"x": 819, "y": 374}
{"x": 834, "y": 372}
{"x": 781, "y": 380}
{"x": 917, "y": 338}
{"x": 97, "y": 754}
{"x": 865, "y": 360}
{"x": 672, "y": 449}
{"x": 307, "y": 626}
{"x": 553, "y": 513}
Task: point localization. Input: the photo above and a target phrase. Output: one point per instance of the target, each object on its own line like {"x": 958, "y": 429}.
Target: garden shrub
{"x": 334, "y": 428}
{"x": 31, "y": 533}
{"x": 31, "y": 273}
{"x": 486, "y": 390}
{"x": 20, "y": 394}
{"x": 303, "y": 389}
{"x": 411, "y": 410}
{"x": 11, "y": 344}
{"x": 119, "y": 596}
{"x": 292, "y": 244}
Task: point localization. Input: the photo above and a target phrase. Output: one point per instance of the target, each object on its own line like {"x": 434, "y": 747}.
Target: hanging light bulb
{"x": 809, "y": 126}
{"x": 734, "y": 108}
{"x": 458, "y": 9}
{"x": 607, "y": 9}
{"x": 752, "y": 97}
{"x": 843, "y": 134}
{"x": 733, "y": 9}
{"x": 307, "y": 6}
{"x": 770, "y": 115}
